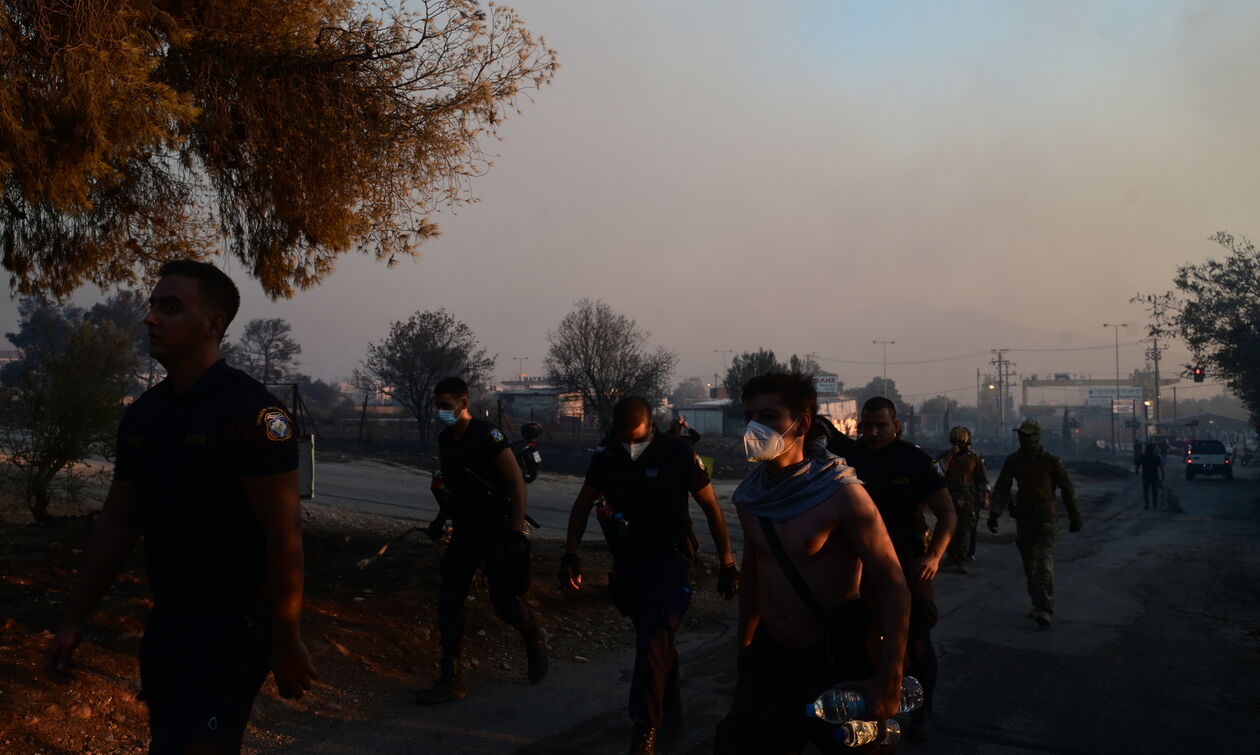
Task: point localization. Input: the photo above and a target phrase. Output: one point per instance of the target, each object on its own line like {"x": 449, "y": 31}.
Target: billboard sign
{"x": 1103, "y": 396}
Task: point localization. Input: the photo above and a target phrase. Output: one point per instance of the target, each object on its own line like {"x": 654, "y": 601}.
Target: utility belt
{"x": 623, "y": 533}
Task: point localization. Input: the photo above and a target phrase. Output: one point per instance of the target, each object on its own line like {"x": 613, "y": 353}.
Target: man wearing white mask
{"x": 487, "y": 506}
{"x": 646, "y": 477}
{"x": 811, "y": 536}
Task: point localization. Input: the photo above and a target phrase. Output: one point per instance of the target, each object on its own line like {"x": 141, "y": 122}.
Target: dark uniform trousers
{"x": 654, "y": 592}
{"x": 920, "y": 652}
{"x": 921, "y": 661}
{"x": 468, "y": 549}
{"x": 1151, "y": 486}
{"x": 200, "y": 675}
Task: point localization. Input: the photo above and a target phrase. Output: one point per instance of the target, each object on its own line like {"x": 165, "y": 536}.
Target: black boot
{"x": 448, "y": 688}
{"x": 644, "y": 741}
{"x": 536, "y": 651}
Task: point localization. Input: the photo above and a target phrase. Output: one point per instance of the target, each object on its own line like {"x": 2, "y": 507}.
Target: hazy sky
{"x": 809, "y": 177}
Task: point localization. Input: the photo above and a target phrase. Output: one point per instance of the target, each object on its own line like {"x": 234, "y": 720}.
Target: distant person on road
{"x": 207, "y": 473}
{"x": 680, "y": 429}
{"x": 904, "y": 481}
{"x": 487, "y": 509}
{"x": 968, "y": 482}
{"x": 647, "y": 478}
{"x": 811, "y": 534}
{"x": 1151, "y": 466}
{"x": 1038, "y": 474}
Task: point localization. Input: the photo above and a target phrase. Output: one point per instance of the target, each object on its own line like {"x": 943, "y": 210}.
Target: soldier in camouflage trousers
{"x": 1038, "y": 474}
{"x": 969, "y": 487}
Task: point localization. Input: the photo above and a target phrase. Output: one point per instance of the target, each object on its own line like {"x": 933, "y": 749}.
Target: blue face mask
{"x": 447, "y": 417}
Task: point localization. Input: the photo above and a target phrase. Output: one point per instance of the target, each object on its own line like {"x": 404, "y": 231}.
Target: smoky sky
{"x": 809, "y": 177}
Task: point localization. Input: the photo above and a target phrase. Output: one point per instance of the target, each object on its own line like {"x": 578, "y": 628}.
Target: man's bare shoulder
{"x": 848, "y": 497}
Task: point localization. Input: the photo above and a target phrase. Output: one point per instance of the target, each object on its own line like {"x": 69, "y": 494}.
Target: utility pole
{"x": 725, "y": 369}
{"x": 978, "y": 403}
{"x": 520, "y": 367}
{"x": 1153, "y": 355}
{"x": 883, "y": 386}
{"x": 1004, "y": 366}
{"x": 1116, "y": 326}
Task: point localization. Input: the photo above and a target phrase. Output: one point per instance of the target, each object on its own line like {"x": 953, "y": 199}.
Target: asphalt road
{"x": 1155, "y": 648}
{"x": 403, "y": 492}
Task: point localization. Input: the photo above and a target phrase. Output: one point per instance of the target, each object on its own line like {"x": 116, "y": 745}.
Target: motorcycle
{"x": 526, "y": 450}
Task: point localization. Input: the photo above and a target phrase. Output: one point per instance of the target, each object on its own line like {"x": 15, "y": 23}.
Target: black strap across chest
{"x": 789, "y": 569}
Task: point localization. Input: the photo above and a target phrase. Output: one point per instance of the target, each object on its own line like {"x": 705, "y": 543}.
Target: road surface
{"x": 403, "y": 492}
{"x": 1154, "y": 649}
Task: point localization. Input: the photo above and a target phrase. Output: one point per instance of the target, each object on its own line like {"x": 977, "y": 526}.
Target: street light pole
{"x": 1116, "y": 326}
{"x": 884, "y": 380}
{"x": 520, "y": 367}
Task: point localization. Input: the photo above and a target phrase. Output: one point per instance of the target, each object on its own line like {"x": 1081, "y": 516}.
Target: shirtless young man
{"x": 830, "y": 530}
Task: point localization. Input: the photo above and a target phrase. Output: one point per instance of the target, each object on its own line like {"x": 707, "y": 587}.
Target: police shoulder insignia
{"x": 936, "y": 467}
{"x": 276, "y": 423}
{"x": 496, "y": 435}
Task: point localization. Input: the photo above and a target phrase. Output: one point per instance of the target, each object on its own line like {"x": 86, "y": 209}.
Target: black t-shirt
{"x": 479, "y": 494}
{"x": 1150, "y": 464}
{"x": 651, "y": 491}
{"x": 899, "y": 477}
{"x": 185, "y": 455}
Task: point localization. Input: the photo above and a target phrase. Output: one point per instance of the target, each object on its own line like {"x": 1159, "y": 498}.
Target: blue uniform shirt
{"x": 185, "y": 456}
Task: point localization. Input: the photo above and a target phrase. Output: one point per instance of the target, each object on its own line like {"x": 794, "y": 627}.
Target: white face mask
{"x": 762, "y": 443}
{"x": 447, "y": 417}
{"x": 636, "y": 449}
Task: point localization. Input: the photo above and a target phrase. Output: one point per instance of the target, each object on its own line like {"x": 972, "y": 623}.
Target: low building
{"x": 545, "y": 404}
{"x": 705, "y": 417}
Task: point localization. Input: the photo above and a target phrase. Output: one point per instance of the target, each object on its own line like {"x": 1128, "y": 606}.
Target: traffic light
{"x": 1198, "y": 374}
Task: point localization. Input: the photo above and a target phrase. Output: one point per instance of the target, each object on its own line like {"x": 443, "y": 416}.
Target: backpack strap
{"x": 789, "y": 569}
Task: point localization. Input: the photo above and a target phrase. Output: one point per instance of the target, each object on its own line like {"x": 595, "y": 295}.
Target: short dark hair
{"x": 630, "y": 411}
{"x": 452, "y": 386}
{"x": 879, "y": 403}
{"x": 795, "y": 390}
{"x": 216, "y": 287}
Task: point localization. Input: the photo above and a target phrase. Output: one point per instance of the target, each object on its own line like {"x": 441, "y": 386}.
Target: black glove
{"x": 570, "y": 569}
{"x": 993, "y": 524}
{"x": 1075, "y": 525}
{"x": 728, "y": 581}
{"x": 436, "y": 528}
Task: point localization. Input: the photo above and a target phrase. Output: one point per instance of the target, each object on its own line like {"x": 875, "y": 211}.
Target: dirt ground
{"x": 372, "y": 632}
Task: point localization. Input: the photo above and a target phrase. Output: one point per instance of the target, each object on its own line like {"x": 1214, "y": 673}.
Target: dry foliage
{"x": 287, "y": 131}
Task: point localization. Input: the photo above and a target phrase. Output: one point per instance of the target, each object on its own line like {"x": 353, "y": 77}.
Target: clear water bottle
{"x": 835, "y": 706}
{"x": 854, "y": 733}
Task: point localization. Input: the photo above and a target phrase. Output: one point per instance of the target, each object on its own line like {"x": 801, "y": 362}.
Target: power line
{"x": 973, "y": 355}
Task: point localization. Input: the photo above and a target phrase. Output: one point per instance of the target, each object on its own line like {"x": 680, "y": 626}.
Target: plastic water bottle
{"x": 854, "y": 733}
{"x": 835, "y": 706}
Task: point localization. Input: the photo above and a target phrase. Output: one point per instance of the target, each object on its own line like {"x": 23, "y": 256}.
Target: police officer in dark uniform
{"x": 487, "y": 507}
{"x": 902, "y": 480}
{"x": 647, "y": 476}
{"x": 207, "y": 471}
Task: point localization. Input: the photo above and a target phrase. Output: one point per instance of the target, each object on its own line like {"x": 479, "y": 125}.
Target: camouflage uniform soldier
{"x": 969, "y": 487}
{"x": 1038, "y": 474}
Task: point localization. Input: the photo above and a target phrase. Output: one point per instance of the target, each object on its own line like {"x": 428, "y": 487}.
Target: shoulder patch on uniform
{"x": 496, "y": 435}
{"x": 275, "y": 421}
{"x": 936, "y": 467}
